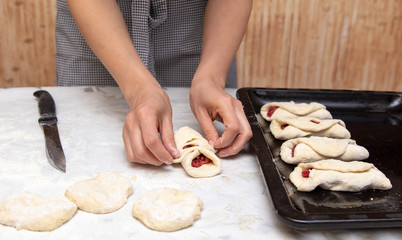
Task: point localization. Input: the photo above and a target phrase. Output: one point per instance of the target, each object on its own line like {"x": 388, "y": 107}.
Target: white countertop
{"x": 236, "y": 202}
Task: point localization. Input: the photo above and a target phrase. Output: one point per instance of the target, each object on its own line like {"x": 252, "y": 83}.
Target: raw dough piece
{"x": 281, "y": 110}
{"x": 289, "y": 128}
{"x": 187, "y": 139}
{"x": 338, "y": 175}
{"x": 197, "y": 156}
{"x": 210, "y": 169}
{"x": 300, "y": 150}
{"x": 36, "y": 213}
{"x": 167, "y": 209}
{"x": 105, "y": 193}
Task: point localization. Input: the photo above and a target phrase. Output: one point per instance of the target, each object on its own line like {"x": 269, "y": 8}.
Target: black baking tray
{"x": 374, "y": 120}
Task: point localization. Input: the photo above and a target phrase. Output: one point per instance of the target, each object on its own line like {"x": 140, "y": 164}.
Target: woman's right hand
{"x": 150, "y": 116}
{"x": 103, "y": 27}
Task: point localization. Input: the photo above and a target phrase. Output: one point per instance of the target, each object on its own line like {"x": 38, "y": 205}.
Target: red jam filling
{"x": 284, "y": 126}
{"x": 306, "y": 173}
{"x": 316, "y": 122}
{"x": 271, "y": 111}
{"x": 188, "y": 146}
{"x": 200, "y": 160}
{"x": 293, "y": 151}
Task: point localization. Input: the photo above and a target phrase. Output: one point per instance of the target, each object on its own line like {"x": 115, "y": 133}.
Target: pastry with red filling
{"x": 300, "y": 150}
{"x": 187, "y": 139}
{"x": 336, "y": 175}
{"x": 281, "y": 110}
{"x": 289, "y": 128}
{"x": 197, "y": 155}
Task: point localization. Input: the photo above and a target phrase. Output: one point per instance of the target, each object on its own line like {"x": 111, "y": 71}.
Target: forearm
{"x": 224, "y": 27}
{"x": 103, "y": 27}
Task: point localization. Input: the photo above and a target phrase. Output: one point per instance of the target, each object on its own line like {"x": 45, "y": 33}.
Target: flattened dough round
{"x": 168, "y": 209}
{"x": 105, "y": 193}
{"x": 36, "y": 213}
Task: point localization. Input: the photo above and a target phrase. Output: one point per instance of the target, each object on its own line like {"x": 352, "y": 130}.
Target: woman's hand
{"x": 210, "y": 102}
{"x": 150, "y": 116}
{"x": 225, "y": 23}
{"x": 148, "y": 131}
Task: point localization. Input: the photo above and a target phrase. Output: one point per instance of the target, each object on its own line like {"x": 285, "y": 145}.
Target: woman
{"x": 143, "y": 44}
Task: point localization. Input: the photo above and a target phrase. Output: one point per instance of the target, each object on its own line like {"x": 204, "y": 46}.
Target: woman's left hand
{"x": 210, "y": 102}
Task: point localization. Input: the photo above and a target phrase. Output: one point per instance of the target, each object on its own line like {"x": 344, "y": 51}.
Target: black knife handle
{"x": 47, "y": 107}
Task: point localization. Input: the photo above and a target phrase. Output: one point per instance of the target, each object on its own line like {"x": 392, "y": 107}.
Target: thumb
{"x": 208, "y": 127}
{"x": 167, "y": 136}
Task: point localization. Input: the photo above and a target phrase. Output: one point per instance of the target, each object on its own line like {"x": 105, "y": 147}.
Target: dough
{"x": 188, "y": 139}
{"x": 281, "y": 110}
{"x": 36, "y": 213}
{"x": 105, "y": 193}
{"x": 212, "y": 168}
{"x": 338, "y": 175}
{"x": 289, "y": 128}
{"x": 197, "y": 156}
{"x": 188, "y": 136}
{"x": 167, "y": 209}
{"x": 312, "y": 149}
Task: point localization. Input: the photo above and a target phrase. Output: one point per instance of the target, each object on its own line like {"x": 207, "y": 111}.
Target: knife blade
{"x": 48, "y": 122}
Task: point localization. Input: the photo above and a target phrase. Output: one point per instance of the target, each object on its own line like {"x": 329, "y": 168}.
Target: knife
{"x": 48, "y": 121}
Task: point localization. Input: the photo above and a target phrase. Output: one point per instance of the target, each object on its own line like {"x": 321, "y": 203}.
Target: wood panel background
{"x": 328, "y": 44}
{"x": 27, "y": 45}
{"x": 332, "y": 44}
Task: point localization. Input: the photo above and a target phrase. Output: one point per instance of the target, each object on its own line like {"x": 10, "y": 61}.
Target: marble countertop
{"x": 236, "y": 202}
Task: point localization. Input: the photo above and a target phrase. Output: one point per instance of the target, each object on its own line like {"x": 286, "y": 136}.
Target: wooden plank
{"x": 342, "y": 44}
{"x": 27, "y": 43}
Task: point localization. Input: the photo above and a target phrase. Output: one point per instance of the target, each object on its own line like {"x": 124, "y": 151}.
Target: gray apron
{"x": 166, "y": 34}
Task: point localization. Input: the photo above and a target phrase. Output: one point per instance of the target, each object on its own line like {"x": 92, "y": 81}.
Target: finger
{"x": 134, "y": 144}
{"x": 167, "y": 136}
{"x": 141, "y": 151}
{"x": 151, "y": 140}
{"x": 127, "y": 147}
{"x": 242, "y": 138}
{"x": 229, "y": 118}
{"x": 208, "y": 127}
{"x": 236, "y": 146}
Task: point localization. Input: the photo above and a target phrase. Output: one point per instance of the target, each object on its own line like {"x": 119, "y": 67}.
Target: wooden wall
{"x": 27, "y": 46}
{"x": 330, "y": 44}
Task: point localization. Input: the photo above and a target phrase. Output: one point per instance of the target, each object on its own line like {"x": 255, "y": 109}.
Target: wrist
{"x": 136, "y": 82}
{"x": 209, "y": 75}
